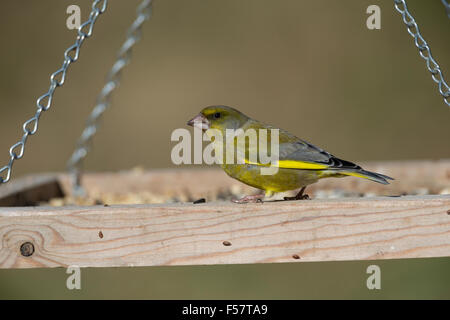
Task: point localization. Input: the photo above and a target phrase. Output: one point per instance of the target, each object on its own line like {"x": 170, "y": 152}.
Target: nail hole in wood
{"x": 27, "y": 249}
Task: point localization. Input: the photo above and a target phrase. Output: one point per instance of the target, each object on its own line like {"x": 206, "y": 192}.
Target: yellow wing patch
{"x": 354, "y": 174}
{"x": 292, "y": 164}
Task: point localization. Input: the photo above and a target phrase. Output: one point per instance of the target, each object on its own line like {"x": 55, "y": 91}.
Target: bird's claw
{"x": 302, "y": 197}
{"x": 250, "y": 199}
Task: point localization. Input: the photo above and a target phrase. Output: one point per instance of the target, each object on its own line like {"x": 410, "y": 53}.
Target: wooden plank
{"x": 226, "y": 233}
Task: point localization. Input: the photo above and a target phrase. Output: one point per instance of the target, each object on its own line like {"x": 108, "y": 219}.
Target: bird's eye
{"x": 217, "y": 115}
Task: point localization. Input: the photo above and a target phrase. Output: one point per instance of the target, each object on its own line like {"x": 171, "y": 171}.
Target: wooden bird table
{"x": 393, "y": 225}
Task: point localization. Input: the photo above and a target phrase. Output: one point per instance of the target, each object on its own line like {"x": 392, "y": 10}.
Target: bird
{"x": 300, "y": 163}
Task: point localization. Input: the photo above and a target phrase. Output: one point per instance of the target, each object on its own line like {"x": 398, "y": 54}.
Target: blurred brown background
{"x": 311, "y": 67}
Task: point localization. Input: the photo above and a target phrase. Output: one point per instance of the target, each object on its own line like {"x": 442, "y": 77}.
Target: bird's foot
{"x": 299, "y": 196}
{"x": 257, "y": 198}
{"x": 302, "y": 197}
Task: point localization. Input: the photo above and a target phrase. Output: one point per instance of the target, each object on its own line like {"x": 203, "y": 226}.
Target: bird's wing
{"x": 295, "y": 153}
{"x": 304, "y": 155}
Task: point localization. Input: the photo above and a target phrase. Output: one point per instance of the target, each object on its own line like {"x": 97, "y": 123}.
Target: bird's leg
{"x": 250, "y": 199}
{"x": 299, "y": 196}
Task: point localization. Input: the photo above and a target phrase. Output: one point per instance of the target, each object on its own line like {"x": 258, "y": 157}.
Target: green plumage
{"x": 300, "y": 163}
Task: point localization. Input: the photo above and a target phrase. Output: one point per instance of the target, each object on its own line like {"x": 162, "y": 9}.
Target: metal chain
{"x": 57, "y": 79}
{"x": 424, "y": 49}
{"x": 103, "y": 100}
{"x": 447, "y": 7}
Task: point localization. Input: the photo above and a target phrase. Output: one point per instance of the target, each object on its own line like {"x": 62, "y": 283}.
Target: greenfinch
{"x": 300, "y": 163}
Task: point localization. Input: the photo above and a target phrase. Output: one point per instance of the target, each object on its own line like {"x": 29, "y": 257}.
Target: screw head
{"x": 27, "y": 249}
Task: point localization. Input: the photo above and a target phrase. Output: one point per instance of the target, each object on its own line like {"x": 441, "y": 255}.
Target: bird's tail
{"x": 360, "y": 173}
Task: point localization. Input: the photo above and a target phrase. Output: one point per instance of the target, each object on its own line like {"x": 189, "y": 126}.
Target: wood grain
{"x": 187, "y": 234}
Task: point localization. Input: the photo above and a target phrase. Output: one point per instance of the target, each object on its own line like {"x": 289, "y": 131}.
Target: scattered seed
{"x": 448, "y": 212}
{"x": 226, "y": 243}
{"x": 296, "y": 256}
{"x": 106, "y": 205}
{"x": 100, "y": 235}
{"x": 202, "y": 200}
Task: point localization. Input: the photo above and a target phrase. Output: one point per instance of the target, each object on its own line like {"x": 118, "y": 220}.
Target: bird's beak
{"x": 199, "y": 121}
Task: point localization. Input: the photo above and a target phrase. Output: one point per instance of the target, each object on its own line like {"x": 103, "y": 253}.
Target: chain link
{"x": 447, "y": 7}
{"x": 424, "y": 49}
{"x": 57, "y": 79}
{"x": 103, "y": 100}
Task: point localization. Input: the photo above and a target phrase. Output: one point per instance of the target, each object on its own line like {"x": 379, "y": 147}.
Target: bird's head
{"x": 218, "y": 117}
